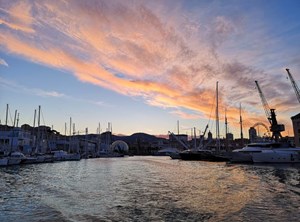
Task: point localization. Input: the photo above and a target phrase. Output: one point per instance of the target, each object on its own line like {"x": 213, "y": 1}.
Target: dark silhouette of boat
{"x": 205, "y": 155}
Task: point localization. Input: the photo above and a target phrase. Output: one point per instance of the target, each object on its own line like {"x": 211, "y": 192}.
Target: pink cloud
{"x": 18, "y": 17}
{"x": 96, "y": 40}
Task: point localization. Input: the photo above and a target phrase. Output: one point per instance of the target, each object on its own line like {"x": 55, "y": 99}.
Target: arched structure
{"x": 120, "y": 146}
{"x": 263, "y": 125}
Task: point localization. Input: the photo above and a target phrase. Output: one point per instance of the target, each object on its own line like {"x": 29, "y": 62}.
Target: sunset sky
{"x": 143, "y": 65}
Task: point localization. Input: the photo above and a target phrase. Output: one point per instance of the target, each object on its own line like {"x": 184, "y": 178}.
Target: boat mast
{"x": 18, "y": 118}
{"x": 70, "y": 135}
{"x": 241, "y": 125}
{"x": 39, "y": 116}
{"x": 195, "y": 137}
{"x": 34, "y": 117}
{"x": 15, "y": 117}
{"x": 226, "y": 130}
{"x": 6, "y": 114}
{"x": 217, "y": 119}
{"x": 99, "y": 139}
{"x": 38, "y": 133}
{"x": 86, "y": 142}
{"x": 99, "y": 126}
{"x": 70, "y": 126}
{"x": 65, "y": 136}
{"x": 74, "y": 129}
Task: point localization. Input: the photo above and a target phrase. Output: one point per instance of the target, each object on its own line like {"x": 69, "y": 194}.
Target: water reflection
{"x": 149, "y": 189}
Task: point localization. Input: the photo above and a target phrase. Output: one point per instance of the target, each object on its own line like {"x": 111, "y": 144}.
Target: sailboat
{"x": 203, "y": 153}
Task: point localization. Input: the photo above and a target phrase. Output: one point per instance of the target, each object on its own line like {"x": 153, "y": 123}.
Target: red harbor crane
{"x": 275, "y": 128}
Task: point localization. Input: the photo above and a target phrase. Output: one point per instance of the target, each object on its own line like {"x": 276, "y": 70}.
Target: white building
{"x": 14, "y": 139}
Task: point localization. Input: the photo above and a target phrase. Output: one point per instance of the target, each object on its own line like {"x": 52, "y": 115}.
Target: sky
{"x": 144, "y": 65}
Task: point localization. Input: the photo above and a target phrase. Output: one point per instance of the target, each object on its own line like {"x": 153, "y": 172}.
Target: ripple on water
{"x": 149, "y": 189}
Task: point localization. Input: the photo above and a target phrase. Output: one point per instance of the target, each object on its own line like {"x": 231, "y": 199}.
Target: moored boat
{"x": 15, "y": 158}
{"x": 61, "y": 155}
{"x": 37, "y": 158}
{"x": 277, "y": 155}
{"x": 4, "y": 161}
{"x": 266, "y": 152}
{"x": 205, "y": 155}
{"x": 244, "y": 155}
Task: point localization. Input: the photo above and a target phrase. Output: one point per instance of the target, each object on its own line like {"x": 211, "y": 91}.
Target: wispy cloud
{"x": 2, "y": 62}
{"x": 19, "y": 88}
{"x": 146, "y": 46}
{"x": 16, "y": 87}
{"x": 185, "y": 115}
{"x": 17, "y": 16}
{"x": 48, "y": 93}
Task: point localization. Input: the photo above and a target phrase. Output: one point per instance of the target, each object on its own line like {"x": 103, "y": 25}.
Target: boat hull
{"x": 276, "y": 157}
{"x": 3, "y": 162}
{"x": 13, "y": 161}
{"x": 202, "y": 155}
{"x": 239, "y": 157}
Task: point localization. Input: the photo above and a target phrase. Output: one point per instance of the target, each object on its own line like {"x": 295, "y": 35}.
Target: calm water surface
{"x": 149, "y": 189}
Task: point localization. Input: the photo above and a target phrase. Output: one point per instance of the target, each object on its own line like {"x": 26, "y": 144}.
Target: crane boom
{"x": 201, "y": 141}
{"x": 178, "y": 140}
{"x": 297, "y": 91}
{"x": 265, "y": 103}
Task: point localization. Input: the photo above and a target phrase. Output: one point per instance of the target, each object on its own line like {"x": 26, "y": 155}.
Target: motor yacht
{"x": 266, "y": 152}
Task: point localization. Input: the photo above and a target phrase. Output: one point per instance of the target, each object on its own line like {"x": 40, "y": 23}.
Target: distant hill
{"x": 143, "y": 137}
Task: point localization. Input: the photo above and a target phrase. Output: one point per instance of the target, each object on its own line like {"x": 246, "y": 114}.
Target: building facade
{"x": 296, "y": 128}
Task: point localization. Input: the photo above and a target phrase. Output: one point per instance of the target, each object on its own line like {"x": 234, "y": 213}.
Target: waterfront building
{"x": 229, "y": 137}
{"x": 296, "y": 128}
{"x": 14, "y": 139}
{"x": 173, "y": 141}
{"x": 252, "y": 134}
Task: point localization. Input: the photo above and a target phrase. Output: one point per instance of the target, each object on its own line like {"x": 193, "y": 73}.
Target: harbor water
{"x": 149, "y": 189}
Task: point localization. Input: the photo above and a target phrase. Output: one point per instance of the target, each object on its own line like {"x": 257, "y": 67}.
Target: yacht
{"x": 15, "y": 158}
{"x": 38, "y": 158}
{"x": 4, "y": 161}
{"x": 206, "y": 155}
{"x": 245, "y": 154}
{"x": 172, "y": 152}
{"x": 61, "y": 155}
{"x": 266, "y": 152}
{"x": 277, "y": 155}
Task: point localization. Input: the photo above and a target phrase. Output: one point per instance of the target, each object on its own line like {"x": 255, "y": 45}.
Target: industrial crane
{"x": 271, "y": 116}
{"x": 297, "y": 91}
{"x": 178, "y": 140}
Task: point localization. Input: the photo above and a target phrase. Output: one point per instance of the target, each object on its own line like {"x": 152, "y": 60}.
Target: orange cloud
{"x": 134, "y": 50}
{"x": 18, "y": 17}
